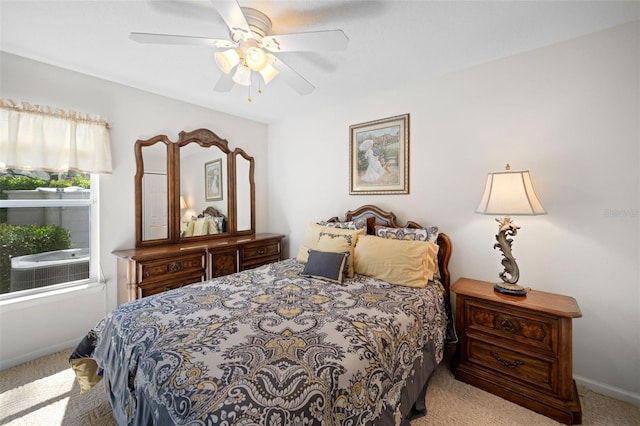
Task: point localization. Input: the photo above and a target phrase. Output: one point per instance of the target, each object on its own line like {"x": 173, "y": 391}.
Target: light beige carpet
{"x": 44, "y": 392}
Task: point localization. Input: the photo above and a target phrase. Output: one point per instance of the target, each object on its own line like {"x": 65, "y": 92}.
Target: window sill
{"x": 10, "y": 302}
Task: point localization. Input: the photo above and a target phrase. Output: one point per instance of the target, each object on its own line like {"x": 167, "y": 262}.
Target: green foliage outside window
{"x": 25, "y": 183}
{"x": 20, "y": 240}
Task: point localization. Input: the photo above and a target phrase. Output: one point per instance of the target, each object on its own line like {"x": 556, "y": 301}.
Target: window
{"x": 47, "y": 220}
{"x": 49, "y": 158}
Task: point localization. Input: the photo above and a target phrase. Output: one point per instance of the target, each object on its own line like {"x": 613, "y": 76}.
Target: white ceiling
{"x": 392, "y": 43}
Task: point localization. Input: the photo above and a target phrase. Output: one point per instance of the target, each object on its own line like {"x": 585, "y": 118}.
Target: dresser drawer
{"x": 176, "y": 282}
{"x": 533, "y": 330}
{"x": 258, "y": 250}
{"x": 538, "y": 372}
{"x": 164, "y": 269}
{"x": 224, "y": 263}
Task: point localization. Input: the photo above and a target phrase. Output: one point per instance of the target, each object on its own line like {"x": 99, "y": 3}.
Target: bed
{"x": 285, "y": 343}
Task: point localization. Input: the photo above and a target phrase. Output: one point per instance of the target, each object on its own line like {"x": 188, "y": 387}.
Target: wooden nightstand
{"x": 519, "y": 348}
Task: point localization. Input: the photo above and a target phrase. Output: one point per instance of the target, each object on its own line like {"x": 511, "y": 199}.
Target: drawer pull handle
{"x": 174, "y": 267}
{"x": 507, "y": 325}
{"x": 514, "y": 364}
{"x": 261, "y": 251}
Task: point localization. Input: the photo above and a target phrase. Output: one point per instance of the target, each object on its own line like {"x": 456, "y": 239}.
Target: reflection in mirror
{"x": 244, "y": 188}
{"x": 186, "y": 190}
{"x": 204, "y": 189}
{"x": 155, "y": 205}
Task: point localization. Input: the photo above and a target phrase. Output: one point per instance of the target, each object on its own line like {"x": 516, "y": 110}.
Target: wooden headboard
{"x": 377, "y": 217}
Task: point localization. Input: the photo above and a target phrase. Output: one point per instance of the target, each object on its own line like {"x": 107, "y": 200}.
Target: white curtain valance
{"x": 45, "y": 138}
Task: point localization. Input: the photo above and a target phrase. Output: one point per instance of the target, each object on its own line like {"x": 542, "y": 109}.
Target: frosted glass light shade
{"x": 227, "y": 60}
{"x": 255, "y": 58}
{"x": 269, "y": 73}
{"x": 510, "y": 193}
{"x": 242, "y": 76}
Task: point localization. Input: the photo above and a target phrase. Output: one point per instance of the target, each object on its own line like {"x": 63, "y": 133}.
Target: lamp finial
{"x": 508, "y": 167}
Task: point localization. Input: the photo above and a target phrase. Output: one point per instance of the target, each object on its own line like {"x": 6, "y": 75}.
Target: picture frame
{"x": 379, "y": 156}
{"x": 213, "y": 180}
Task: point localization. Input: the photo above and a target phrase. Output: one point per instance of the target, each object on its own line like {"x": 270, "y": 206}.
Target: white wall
{"x": 570, "y": 114}
{"x": 34, "y": 328}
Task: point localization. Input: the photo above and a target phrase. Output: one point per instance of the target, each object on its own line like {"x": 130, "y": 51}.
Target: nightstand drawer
{"x": 533, "y": 330}
{"x": 163, "y": 269}
{"x": 535, "y": 371}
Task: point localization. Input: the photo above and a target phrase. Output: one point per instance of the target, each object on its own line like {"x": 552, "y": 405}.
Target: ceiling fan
{"x": 252, "y": 47}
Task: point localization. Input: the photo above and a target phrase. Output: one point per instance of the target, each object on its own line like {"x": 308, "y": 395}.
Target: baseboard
{"x": 608, "y": 390}
{"x": 8, "y": 363}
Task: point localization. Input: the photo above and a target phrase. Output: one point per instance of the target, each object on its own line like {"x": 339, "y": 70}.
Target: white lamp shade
{"x": 227, "y": 60}
{"x": 242, "y": 76}
{"x": 255, "y": 58}
{"x": 269, "y": 73}
{"x": 510, "y": 193}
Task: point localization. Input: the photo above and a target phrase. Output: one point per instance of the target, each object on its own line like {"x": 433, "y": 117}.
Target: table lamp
{"x": 509, "y": 193}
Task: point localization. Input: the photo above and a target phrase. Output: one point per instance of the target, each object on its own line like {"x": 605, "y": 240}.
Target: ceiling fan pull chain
{"x": 249, "y": 89}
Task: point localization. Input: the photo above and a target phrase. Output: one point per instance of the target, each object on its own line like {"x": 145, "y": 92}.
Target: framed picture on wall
{"x": 379, "y": 156}
{"x": 213, "y": 180}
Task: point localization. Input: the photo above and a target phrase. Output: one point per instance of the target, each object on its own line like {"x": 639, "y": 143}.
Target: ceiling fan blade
{"x": 224, "y": 84}
{"x": 181, "y": 39}
{"x": 291, "y": 77}
{"x": 232, "y": 15}
{"x": 305, "y": 42}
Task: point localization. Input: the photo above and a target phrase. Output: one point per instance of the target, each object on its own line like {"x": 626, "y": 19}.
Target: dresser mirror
{"x": 193, "y": 189}
{"x": 203, "y": 187}
{"x": 152, "y": 183}
{"x": 245, "y": 192}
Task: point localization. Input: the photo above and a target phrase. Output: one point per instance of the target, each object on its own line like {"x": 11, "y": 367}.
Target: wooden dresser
{"x": 150, "y": 270}
{"x": 519, "y": 348}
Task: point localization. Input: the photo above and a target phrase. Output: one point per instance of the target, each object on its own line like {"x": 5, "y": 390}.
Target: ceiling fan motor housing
{"x": 258, "y": 22}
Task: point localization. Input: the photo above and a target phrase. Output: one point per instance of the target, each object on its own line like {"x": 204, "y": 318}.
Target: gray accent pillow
{"x": 326, "y": 265}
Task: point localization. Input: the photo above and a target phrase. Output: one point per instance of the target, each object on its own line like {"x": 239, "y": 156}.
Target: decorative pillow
{"x": 326, "y": 265}
{"x": 201, "y": 227}
{"x": 324, "y": 238}
{"x": 429, "y": 233}
{"x": 187, "y": 228}
{"x": 401, "y": 262}
{"x": 354, "y": 224}
{"x": 213, "y": 226}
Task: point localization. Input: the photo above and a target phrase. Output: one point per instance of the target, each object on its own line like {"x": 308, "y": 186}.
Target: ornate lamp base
{"x": 510, "y": 289}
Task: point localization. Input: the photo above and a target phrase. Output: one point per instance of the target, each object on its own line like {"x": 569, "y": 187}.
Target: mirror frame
{"x": 138, "y": 188}
{"x": 205, "y": 138}
{"x": 252, "y": 190}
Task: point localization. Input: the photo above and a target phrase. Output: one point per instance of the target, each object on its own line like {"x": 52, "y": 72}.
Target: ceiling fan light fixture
{"x": 255, "y": 58}
{"x": 227, "y": 60}
{"x": 242, "y": 76}
{"x": 268, "y": 73}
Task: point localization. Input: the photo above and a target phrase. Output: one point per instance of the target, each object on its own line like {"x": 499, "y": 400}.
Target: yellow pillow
{"x": 187, "y": 228}
{"x": 213, "y": 227}
{"x": 402, "y": 262}
{"x": 201, "y": 227}
{"x": 328, "y": 239}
